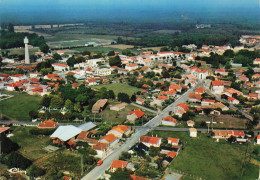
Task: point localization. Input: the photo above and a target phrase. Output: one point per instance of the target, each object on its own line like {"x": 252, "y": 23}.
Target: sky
{"x": 53, "y": 11}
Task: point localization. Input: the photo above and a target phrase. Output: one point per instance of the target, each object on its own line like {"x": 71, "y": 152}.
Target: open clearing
{"x": 19, "y": 106}
{"x": 120, "y": 46}
{"x": 204, "y": 158}
{"x": 119, "y": 87}
{"x": 229, "y": 121}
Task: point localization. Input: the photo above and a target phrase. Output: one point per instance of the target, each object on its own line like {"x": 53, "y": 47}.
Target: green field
{"x": 19, "y": 106}
{"x": 20, "y": 51}
{"x": 31, "y": 146}
{"x": 203, "y": 158}
{"x": 119, "y": 87}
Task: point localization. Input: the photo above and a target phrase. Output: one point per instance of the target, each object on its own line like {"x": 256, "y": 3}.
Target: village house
{"x": 190, "y": 123}
{"x": 230, "y": 91}
{"x": 117, "y": 164}
{"x": 131, "y": 67}
{"x": 200, "y": 90}
{"x": 109, "y": 139}
{"x": 18, "y": 77}
{"x": 257, "y": 62}
{"x": 158, "y": 101}
{"x": 169, "y": 121}
{"x": 120, "y": 130}
{"x": 60, "y": 67}
{"x": 91, "y": 82}
{"x": 232, "y": 100}
{"x": 102, "y": 72}
{"x": 207, "y": 102}
{"x": 193, "y": 97}
{"x": 180, "y": 109}
{"x": 221, "y": 72}
{"x": 173, "y": 141}
{"x": 140, "y": 101}
{"x": 193, "y": 132}
{"x": 118, "y": 107}
{"x": 47, "y": 124}
{"x": 133, "y": 115}
{"x": 101, "y": 149}
{"x": 151, "y": 141}
{"x": 217, "y": 86}
{"x": 224, "y": 134}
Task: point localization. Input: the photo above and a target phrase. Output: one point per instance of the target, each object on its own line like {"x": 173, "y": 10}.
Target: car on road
{"x": 99, "y": 162}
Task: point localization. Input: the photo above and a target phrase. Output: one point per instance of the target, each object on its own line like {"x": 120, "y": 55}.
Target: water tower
{"x": 26, "y": 41}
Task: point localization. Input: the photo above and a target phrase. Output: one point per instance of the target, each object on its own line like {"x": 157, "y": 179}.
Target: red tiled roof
{"x": 3, "y": 129}
{"x": 217, "y": 83}
{"x": 258, "y": 136}
{"x": 110, "y": 138}
{"x": 173, "y": 140}
{"x": 48, "y": 124}
{"x": 231, "y": 98}
{"x": 134, "y": 177}
{"x": 184, "y": 106}
{"x": 148, "y": 139}
{"x": 118, "y": 164}
{"x": 138, "y": 113}
{"x": 195, "y": 96}
{"x": 100, "y": 146}
{"x": 220, "y": 70}
{"x": 169, "y": 118}
{"x": 61, "y": 65}
{"x": 121, "y": 128}
{"x": 200, "y": 90}
{"x": 171, "y": 154}
{"x": 162, "y": 98}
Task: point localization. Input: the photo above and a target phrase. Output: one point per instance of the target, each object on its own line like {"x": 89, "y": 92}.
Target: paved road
{"x": 145, "y": 108}
{"x": 99, "y": 170}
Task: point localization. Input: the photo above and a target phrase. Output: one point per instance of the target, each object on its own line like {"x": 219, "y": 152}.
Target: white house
{"x": 173, "y": 141}
{"x": 233, "y": 100}
{"x": 18, "y": 77}
{"x": 101, "y": 149}
{"x": 217, "y": 87}
{"x": 102, "y": 72}
{"x": 60, "y": 67}
{"x": 193, "y": 132}
{"x": 131, "y": 67}
{"x": 119, "y": 130}
{"x": 151, "y": 141}
{"x": 109, "y": 139}
{"x": 180, "y": 109}
{"x": 169, "y": 121}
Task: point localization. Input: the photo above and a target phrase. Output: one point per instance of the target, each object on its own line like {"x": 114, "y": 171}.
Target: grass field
{"x": 19, "y": 106}
{"x": 31, "y": 147}
{"x": 228, "y": 121}
{"x": 119, "y": 87}
{"x": 203, "y": 158}
{"x": 20, "y": 51}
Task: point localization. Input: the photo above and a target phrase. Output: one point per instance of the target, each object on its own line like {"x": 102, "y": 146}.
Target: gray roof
{"x": 65, "y": 133}
{"x": 87, "y": 126}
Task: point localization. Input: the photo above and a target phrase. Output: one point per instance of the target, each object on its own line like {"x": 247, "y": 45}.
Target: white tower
{"x": 26, "y": 41}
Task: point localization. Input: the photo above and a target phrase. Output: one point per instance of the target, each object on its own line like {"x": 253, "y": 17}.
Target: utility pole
{"x": 81, "y": 162}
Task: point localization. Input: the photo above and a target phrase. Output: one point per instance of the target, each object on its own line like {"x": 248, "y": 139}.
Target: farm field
{"x": 20, "y": 51}
{"x": 204, "y": 158}
{"x": 119, "y": 87}
{"x": 229, "y": 121}
{"x": 18, "y": 107}
{"x": 120, "y": 46}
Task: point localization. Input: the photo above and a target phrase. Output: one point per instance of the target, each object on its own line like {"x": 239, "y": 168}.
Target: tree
{"x": 56, "y": 102}
{"x": 45, "y": 101}
{"x": 68, "y": 105}
{"x": 123, "y": 97}
{"x": 34, "y": 171}
{"x": 236, "y": 85}
{"x": 115, "y": 61}
{"x": 77, "y": 107}
{"x": 44, "y": 48}
{"x": 229, "y": 53}
{"x": 133, "y": 98}
{"x": 128, "y": 52}
{"x": 80, "y": 59}
{"x": 56, "y": 56}
{"x": 111, "y": 53}
{"x": 154, "y": 151}
{"x": 124, "y": 156}
{"x": 84, "y": 53}
{"x": 81, "y": 99}
{"x": 70, "y": 78}
{"x": 164, "y": 49}
{"x": 111, "y": 94}
{"x": 33, "y": 114}
{"x": 71, "y": 61}
{"x": 121, "y": 174}
{"x": 16, "y": 160}
{"x": 231, "y": 139}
